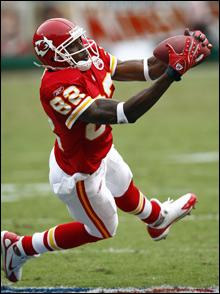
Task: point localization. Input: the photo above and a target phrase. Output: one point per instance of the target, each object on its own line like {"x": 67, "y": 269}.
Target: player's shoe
{"x": 12, "y": 259}
{"x": 171, "y": 211}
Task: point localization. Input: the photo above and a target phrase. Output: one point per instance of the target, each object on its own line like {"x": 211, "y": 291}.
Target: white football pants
{"x": 90, "y": 198}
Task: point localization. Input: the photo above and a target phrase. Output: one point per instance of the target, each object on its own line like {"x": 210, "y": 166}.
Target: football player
{"x": 86, "y": 171}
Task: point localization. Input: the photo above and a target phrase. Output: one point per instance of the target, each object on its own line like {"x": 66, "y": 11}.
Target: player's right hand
{"x": 182, "y": 62}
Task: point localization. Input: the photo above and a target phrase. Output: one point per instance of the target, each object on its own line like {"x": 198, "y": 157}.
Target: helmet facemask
{"x": 62, "y": 54}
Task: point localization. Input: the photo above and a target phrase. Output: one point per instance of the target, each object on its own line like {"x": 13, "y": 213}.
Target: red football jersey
{"x": 65, "y": 94}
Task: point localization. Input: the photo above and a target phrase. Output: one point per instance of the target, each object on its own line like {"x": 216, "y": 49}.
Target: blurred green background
{"x": 171, "y": 150}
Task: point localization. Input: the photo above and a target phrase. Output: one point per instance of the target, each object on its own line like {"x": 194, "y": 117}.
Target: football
{"x": 177, "y": 42}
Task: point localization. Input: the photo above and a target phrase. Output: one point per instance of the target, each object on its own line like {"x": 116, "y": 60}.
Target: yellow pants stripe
{"x": 89, "y": 210}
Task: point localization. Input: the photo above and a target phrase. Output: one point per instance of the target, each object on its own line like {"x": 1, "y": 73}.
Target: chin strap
{"x": 38, "y": 65}
{"x": 81, "y": 65}
{"x": 84, "y": 65}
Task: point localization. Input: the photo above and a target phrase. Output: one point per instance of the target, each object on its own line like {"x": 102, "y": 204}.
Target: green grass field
{"x": 183, "y": 123}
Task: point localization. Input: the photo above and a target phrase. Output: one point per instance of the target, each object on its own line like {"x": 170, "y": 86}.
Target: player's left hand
{"x": 198, "y": 35}
{"x": 182, "y": 62}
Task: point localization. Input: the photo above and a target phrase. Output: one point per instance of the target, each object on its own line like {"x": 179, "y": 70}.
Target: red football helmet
{"x": 51, "y": 40}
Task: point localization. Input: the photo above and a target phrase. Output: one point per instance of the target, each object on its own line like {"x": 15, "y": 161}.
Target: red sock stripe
{"x": 129, "y": 201}
{"x": 72, "y": 234}
{"x": 89, "y": 210}
{"x": 27, "y": 245}
{"x": 45, "y": 242}
{"x": 155, "y": 212}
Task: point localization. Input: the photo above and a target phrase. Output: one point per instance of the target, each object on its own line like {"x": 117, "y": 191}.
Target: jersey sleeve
{"x": 113, "y": 64}
{"x": 109, "y": 59}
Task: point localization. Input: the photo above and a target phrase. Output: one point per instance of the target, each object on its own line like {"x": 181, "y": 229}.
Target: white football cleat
{"x": 12, "y": 259}
{"x": 171, "y": 211}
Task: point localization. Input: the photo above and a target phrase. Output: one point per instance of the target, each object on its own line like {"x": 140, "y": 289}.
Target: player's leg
{"x": 88, "y": 200}
{"x": 158, "y": 216}
{"x": 69, "y": 235}
{"x": 16, "y": 250}
{"x": 128, "y": 197}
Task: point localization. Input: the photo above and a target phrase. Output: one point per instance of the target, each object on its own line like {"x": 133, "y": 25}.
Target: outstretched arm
{"x": 104, "y": 111}
{"x": 133, "y": 70}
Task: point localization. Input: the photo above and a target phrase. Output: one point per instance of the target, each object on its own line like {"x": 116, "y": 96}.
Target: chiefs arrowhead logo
{"x": 42, "y": 46}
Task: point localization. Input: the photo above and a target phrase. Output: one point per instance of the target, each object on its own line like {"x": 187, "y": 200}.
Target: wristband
{"x": 173, "y": 74}
{"x": 146, "y": 70}
{"x": 121, "y": 117}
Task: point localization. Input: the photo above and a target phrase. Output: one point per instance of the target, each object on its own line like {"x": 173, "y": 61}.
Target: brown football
{"x": 161, "y": 51}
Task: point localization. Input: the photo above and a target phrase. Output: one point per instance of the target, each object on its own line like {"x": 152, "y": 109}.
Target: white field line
{"x": 11, "y": 192}
{"x": 165, "y": 289}
{"x": 28, "y": 221}
{"x": 200, "y": 157}
{"x": 112, "y": 250}
{"x": 199, "y": 218}
{"x": 158, "y": 289}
